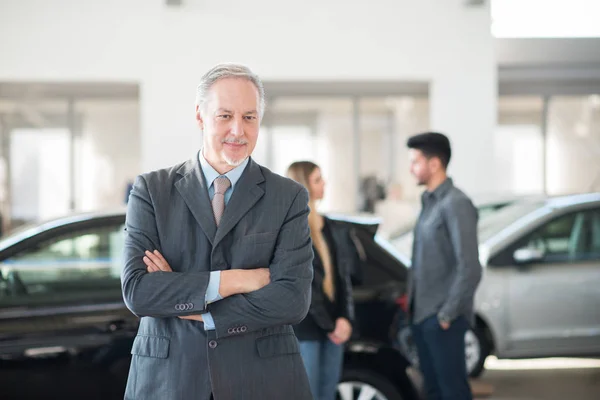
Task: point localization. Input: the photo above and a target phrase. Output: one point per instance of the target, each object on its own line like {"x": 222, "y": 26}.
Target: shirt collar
{"x": 439, "y": 191}
{"x": 210, "y": 174}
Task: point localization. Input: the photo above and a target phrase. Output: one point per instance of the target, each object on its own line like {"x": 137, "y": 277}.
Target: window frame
{"x": 44, "y": 236}
{"x": 505, "y": 257}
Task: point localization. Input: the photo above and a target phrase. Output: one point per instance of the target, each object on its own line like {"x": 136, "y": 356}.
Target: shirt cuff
{"x": 209, "y": 322}
{"x": 212, "y": 291}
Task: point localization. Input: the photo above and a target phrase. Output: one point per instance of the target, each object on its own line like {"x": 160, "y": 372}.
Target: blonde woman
{"x": 328, "y": 323}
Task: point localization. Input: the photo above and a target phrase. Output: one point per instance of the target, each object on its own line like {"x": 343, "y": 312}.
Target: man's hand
{"x": 196, "y": 317}
{"x": 256, "y": 279}
{"x": 236, "y": 281}
{"x": 233, "y": 281}
{"x": 342, "y": 331}
{"x": 155, "y": 262}
{"x": 444, "y": 321}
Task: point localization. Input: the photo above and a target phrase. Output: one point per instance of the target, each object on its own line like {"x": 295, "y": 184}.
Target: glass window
{"x": 81, "y": 265}
{"x": 553, "y": 238}
{"x": 317, "y": 129}
{"x": 590, "y": 235}
{"x": 571, "y": 237}
{"x": 573, "y": 144}
{"x": 519, "y": 145}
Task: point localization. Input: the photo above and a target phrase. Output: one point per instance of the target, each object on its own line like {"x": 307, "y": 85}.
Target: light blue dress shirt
{"x": 210, "y": 174}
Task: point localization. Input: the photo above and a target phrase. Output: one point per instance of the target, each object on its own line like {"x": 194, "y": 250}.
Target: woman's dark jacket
{"x": 323, "y": 312}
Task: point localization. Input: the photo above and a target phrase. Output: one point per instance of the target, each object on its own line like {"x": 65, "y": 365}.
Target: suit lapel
{"x": 192, "y": 187}
{"x": 244, "y": 197}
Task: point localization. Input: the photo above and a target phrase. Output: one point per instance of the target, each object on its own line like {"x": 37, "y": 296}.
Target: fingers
{"x": 158, "y": 261}
{"x": 341, "y": 333}
{"x": 150, "y": 266}
{"x": 155, "y": 259}
{"x": 335, "y": 339}
{"x": 197, "y": 317}
{"x": 160, "y": 257}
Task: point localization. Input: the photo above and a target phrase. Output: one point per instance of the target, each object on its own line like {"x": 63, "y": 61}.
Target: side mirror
{"x": 528, "y": 255}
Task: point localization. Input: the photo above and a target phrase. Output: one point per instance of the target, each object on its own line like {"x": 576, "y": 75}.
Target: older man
{"x": 218, "y": 262}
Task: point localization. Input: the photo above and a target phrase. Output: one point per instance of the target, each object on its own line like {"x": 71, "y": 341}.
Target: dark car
{"x": 64, "y": 330}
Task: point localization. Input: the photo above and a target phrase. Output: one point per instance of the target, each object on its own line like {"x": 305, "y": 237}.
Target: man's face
{"x": 420, "y": 166}
{"x": 230, "y": 122}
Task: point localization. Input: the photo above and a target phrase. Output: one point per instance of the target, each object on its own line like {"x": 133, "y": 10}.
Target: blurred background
{"x": 93, "y": 93}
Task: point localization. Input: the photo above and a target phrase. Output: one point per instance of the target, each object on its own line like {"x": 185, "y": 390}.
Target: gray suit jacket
{"x": 253, "y": 352}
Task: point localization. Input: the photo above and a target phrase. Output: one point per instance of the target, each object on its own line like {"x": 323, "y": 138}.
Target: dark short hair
{"x": 432, "y": 144}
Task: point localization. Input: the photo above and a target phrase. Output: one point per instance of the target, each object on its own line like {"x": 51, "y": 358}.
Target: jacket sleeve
{"x": 462, "y": 229}
{"x": 317, "y": 308}
{"x": 157, "y": 294}
{"x": 286, "y": 299}
{"x": 350, "y": 263}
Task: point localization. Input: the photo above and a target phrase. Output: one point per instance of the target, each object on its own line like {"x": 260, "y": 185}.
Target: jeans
{"x": 442, "y": 359}
{"x": 323, "y": 362}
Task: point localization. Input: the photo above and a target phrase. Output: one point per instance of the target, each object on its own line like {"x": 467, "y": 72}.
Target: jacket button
{"x": 244, "y": 328}
{"x": 230, "y": 331}
{"x": 190, "y": 306}
{"x": 212, "y": 344}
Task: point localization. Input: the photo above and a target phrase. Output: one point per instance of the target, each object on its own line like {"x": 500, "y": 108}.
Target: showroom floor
{"x": 547, "y": 379}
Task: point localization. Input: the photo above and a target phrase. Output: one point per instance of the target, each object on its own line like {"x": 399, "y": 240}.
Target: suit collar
{"x": 439, "y": 192}
{"x": 192, "y": 187}
{"x": 194, "y": 190}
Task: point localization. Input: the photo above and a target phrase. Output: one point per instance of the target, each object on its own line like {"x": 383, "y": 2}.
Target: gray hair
{"x": 222, "y": 71}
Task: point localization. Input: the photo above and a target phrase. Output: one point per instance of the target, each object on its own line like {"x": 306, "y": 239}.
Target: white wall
{"x": 110, "y": 152}
{"x": 166, "y": 50}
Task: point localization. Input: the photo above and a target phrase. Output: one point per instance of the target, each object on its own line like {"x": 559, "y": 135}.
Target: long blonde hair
{"x": 300, "y": 171}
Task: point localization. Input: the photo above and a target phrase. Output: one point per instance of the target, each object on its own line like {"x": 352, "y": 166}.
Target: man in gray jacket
{"x": 218, "y": 262}
{"x": 445, "y": 270}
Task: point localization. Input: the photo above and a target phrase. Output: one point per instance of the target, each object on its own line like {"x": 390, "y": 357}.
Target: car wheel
{"x": 477, "y": 349}
{"x": 366, "y": 385}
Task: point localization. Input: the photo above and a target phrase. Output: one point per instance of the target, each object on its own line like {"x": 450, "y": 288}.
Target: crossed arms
{"x": 247, "y": 299}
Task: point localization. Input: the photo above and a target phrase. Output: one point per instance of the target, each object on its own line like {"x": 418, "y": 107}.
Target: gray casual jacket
{"x": 445, "y": 265}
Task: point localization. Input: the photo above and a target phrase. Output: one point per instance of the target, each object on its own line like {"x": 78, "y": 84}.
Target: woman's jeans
{"x": 323, "y": 362}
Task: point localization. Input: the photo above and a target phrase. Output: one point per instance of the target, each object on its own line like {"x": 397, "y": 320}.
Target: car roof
{"x": 32, "y": 229}
{"x": 572, "y": 200}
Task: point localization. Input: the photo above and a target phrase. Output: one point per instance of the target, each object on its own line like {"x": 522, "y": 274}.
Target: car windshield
{"x": 490, "y": 224}
{"x": 493, "y": 223}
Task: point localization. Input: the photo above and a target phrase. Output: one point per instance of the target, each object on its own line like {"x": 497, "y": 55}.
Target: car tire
{"x": 371, "y": 385}
{"x": 477, "y": 349}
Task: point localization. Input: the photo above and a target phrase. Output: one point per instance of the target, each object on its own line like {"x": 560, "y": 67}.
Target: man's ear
{"x": 435, "y": 164}
{"x": 199, "y": 119}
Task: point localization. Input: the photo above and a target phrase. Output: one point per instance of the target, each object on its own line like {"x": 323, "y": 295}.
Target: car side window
{"x": 590, "y": 235}
{"x": 571, "y": 237}
{"x": 80, "y": 265}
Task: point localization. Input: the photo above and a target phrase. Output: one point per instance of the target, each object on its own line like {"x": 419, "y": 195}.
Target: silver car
{"x": 540, "y": 292}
